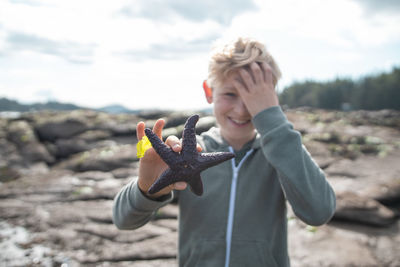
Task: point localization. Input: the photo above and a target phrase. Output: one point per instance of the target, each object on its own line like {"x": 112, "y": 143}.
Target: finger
{"x": 242, "y": 90}
{"x": 199, "y": 148}
{"x": 267, "y": 70}
{"x": 140, "y": 130}
{"x": 158, "y": 126}
{"x": 246, "y": 78}
{"x": 174, "y": 142}
{"x": 257, "y": 72}
{"x": 180, "y": 185}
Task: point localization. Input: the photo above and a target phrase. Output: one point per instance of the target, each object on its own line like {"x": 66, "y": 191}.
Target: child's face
{"x": 231, "y": 114}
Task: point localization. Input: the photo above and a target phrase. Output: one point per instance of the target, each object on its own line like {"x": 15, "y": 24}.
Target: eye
{"x": 230, "y": 94}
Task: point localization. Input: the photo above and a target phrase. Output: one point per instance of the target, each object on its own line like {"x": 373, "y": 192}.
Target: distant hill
{"x": 9, "y": 105}
{"x": 116, "y": 109}
{"x": 13, "y": 105}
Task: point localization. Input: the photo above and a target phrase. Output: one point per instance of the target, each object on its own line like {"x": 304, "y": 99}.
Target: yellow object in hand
{"x": 142, "y": 146}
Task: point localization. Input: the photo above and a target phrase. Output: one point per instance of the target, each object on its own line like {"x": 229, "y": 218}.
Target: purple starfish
{"x": 186, "y": 165}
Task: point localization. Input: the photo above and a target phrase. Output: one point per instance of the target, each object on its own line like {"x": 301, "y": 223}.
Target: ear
{"x": 208, "y": 92}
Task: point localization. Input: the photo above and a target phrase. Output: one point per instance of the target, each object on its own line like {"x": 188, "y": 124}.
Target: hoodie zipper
{"x": 232, "y": 197}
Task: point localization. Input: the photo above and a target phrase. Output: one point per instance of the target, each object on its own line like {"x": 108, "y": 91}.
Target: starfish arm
{"x": 189, "y": 142}
{"x": 196, "y": 185}
{"x": 207, "y": 160}
{"x": 166, "y": 153}
{"x": 167, "y": 178}
{"x": 187, "y": 165}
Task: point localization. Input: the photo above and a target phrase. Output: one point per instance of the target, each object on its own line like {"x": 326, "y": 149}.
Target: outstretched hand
{"x": 151, "y": 166}
{"x": 256, "y": 87}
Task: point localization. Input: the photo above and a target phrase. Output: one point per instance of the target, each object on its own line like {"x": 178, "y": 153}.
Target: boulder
{"x": 96, "y": 176}
{"x": 64, "y": 148}
{"x": 125, "y": 172}
{"x": 386, "y": 192}
{"x": 175, "y": 131}
{"x": 370, "y": 177}
{"x": 66, "y": 207}
{"x": 8, "y": 173}
{"x": 23, "y": 136}
{"x": 9, "y": 154}
{"x": 204, "y": 124}
{"x": 177, "y": 118}
{"x": 94, "y": 135}
{"x": 153, "y": 114}
{"x": 51, "y": 131}
{"x": 117, "y": 124}
{"x": 385, "y": 117}
{"x": 352, "y": 207}
{"x": 101, "y": 159}
{"x": 51, "y": 126}
{"x": 122, "y": 129}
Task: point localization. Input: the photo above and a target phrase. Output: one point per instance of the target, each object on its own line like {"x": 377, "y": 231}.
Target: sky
{"x": 155, "y": 53}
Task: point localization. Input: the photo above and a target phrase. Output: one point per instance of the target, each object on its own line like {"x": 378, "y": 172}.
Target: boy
{"x": 241, "y": 218}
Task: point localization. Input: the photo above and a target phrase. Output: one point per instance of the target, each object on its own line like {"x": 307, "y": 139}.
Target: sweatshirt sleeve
{"x": 303, "y": 182}
{"x": 132, "y": 209}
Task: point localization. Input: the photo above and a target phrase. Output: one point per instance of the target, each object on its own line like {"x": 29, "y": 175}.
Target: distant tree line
{"x": 381, "y": 91}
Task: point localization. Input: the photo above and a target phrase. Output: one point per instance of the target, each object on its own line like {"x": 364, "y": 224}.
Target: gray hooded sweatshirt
{"x": 241, "y": 218}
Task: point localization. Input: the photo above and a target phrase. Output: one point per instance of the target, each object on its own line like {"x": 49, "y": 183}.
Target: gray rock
{"x": 23, "y": 136}
{"x": 94, "y": 135}
{"x": 102, "y": 159}
{"x": 386, "y": 192}
{"x": 177, "y": 118}
{"x": 153, "y": 114}
{"x": 355, "y": 208}
{"x": 67, "y": 207}
{"x": 8, "y": 174}
{"x": 176, "y": 131}
{"x": 95, "y": 176}
{"x": 329, "y": 246}
{"x": 51, "y": 131}
{"x": 163, "y": 247}
{"x": 125, "y": 172}
{"x": 9, "y": 154}
{"x": 64, "y": 148}
{"x": 204, "y": 124}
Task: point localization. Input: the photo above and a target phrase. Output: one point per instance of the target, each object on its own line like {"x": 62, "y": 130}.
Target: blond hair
{"x": 236, "y": 54}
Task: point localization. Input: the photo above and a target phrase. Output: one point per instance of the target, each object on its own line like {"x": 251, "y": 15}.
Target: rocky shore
{"x": 59, "y": 172}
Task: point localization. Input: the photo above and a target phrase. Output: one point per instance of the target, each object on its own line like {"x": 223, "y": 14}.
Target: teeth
{"x": 239, "y": 122}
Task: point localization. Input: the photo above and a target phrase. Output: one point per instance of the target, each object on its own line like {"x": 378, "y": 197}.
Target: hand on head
{"x": 256, "y": 88}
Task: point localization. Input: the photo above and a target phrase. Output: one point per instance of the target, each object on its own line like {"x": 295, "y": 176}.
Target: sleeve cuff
{"x": 144, "y": 203}
{"x": 269, "y": 119}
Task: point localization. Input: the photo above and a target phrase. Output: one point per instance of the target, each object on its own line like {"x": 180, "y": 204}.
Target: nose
{"x": 240, "y": 108}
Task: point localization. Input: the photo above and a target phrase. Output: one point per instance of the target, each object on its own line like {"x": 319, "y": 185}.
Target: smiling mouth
{"x": 240, "y": 122}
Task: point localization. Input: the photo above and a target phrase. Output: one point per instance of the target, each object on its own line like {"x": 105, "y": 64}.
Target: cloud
{"x": 173, "y": 49}
{"x": 378, "y": 6}
{"x": 221, "y": 11}
{"x": 26, "y": 2}
{"x": 70, "y": 51}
